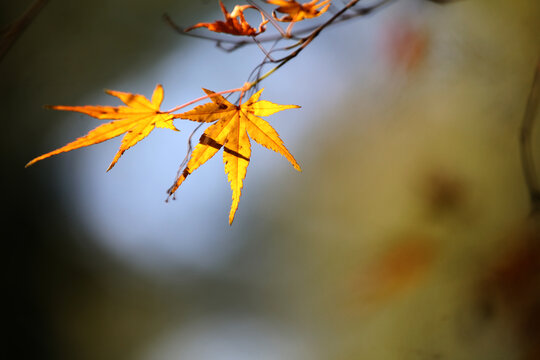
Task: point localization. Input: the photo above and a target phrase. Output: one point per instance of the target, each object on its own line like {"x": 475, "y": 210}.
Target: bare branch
{"x": 12, "y": 32}
{"x": 304, "y": 42}
{"x": 338, "y": 17}
{"x": 527, "y": 158}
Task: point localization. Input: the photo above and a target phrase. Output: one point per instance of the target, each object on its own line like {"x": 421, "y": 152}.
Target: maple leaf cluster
{"x": 232, "y": 124}
{"x": 236, "y": 24}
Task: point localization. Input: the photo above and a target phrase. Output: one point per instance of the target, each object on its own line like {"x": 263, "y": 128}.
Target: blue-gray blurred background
{"x": 406, "y": 236}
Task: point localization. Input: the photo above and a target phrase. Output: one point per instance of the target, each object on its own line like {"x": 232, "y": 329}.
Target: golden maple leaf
{"x": 231, "y": 133}
{"x": 235, "y": 22}
{"x": 296, "y": 11}
{"x": 137, "y": 120}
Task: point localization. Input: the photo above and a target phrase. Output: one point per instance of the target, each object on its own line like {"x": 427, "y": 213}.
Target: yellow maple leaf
{"x": 231, "y": 132}
{"x": 296, "y": 11}
{"x": 136, "y": 120}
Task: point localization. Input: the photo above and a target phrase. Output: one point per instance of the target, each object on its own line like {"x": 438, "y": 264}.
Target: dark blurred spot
{"x": 130, "y": 98}
{"x": 511, "y": 286}
{"x": 443, "y": 193}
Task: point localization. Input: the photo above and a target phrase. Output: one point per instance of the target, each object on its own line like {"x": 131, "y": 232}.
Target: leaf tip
{"x": 35, "y": 160}
{"x": 58, "y": 107}
{"x": 234, "y": 207}
{"x": 113, "y": 163}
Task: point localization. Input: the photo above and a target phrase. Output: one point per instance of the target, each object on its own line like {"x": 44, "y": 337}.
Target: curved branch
{"x": 526, "y": 151}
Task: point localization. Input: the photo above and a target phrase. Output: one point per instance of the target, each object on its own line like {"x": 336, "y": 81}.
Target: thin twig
{"x": 243, "y": 89}
{"x": 263, "y": 39}
{"x": 527, "y": 158}
{"x": 190, "y": 147}
{"x": 184, "y": 162}
{"x": 269, "y": 17}
{"x": 265, "y": 52}
{"x": 308, "y": 39}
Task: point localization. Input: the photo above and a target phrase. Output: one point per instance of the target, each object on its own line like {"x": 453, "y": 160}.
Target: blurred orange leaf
{"x": 296, "y": 11}
{"x": 399, "y": 268}
{"x": 136, "y": 120}
{"x": 234, "y": 24}
{"x": 406, "y": 45}
{"x": 231, "y": 132}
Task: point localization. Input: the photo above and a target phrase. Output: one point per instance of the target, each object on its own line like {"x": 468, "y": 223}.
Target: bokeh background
{"x": 408, "y": 234}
